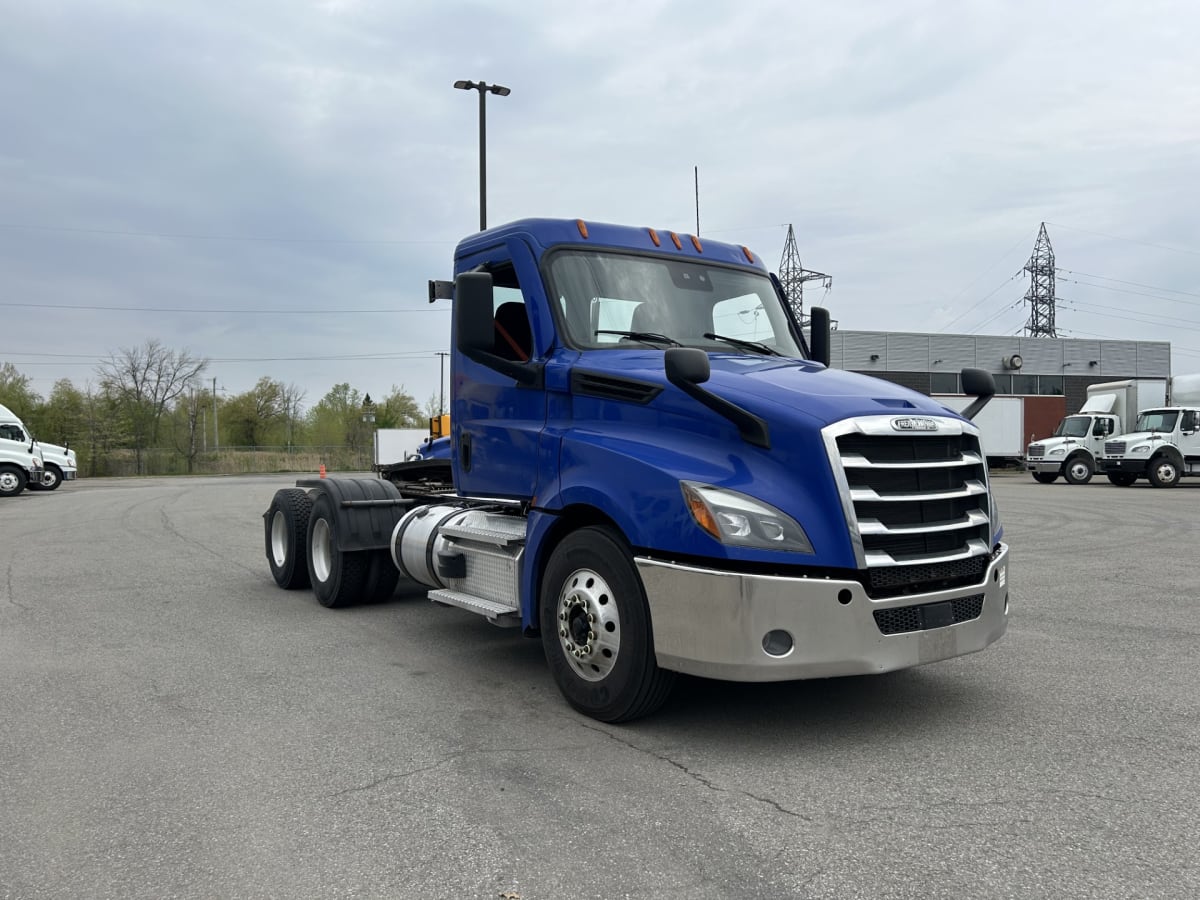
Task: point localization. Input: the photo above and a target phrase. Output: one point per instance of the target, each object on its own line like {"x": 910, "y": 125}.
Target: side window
{"x": 1101, "y": 428}
{"x": 511, "y": 335}
{"x": 742, "y": 317}
{"x": 12, "y": 432}
{"x": 1189, "y": 421}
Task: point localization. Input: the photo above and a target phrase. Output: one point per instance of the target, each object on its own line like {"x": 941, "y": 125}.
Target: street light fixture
{"x": 484, "y": 89}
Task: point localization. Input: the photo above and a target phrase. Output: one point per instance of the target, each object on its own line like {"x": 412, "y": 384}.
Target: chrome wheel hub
{"x": 279, "y": 538}
{"x": 589, "y": 626}
{"x": 321, "y": 551}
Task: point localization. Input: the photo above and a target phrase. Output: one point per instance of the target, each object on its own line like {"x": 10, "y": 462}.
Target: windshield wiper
{"x": 738, "y": 342}
{"x": 646, "y": 337}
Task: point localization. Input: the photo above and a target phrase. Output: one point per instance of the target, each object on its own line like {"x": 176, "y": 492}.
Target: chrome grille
{"x": 1036, "y": 451}
{"x": 1114, "y": 448}
{"x": 917, "y": 503}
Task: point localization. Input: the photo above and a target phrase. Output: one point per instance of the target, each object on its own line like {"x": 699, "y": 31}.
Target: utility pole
{"x": 442, "y": 383}
{"x": 216, "y": 433}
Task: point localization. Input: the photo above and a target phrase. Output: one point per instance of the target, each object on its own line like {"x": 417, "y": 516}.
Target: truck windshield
{"x": 610, "y": 300}
{"x": 1157, "y": 420}
{"x": 1074, "y": 426}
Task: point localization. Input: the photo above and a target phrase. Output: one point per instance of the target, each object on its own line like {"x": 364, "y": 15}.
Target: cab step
{"x": 496, "y": 613}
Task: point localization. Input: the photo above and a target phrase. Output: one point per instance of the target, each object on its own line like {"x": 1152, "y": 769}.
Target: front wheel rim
{"x": 321, "y": 551}
{"x": 1166, "y": 472}
{"x": 1079, "y": 471}
{"x": 8, "y": 481}
{"x": 589, "y": 625}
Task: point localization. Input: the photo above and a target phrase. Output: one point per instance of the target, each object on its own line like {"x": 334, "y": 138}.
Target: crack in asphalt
{"x": 395, "y": 776}
{"x": 10, "y": 594}
{"x": 697, "y": 777}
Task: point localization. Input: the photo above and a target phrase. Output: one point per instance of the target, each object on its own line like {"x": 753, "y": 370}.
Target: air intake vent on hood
{"x": 613, "y": 387}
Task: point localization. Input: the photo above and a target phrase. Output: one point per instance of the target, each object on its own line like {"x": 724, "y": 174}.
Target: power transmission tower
{"x": 1040, "y": 295}
{"x": 792, "y": 276}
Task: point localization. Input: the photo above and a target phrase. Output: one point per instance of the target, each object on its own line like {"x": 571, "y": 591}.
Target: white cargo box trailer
{"x": 1001, "y": 424}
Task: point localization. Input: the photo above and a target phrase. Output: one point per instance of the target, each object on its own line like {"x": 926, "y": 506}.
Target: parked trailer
{"x": 652, "y": 472}
{"x": 1001, "y": 424}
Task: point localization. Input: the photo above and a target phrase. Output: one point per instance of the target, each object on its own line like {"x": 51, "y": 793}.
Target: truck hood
{"x": 1135, "y": 437}
{"x": 779, "y": 389}
{"x": 1051, "y": 442}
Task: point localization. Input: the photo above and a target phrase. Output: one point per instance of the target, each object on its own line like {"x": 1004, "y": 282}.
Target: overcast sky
{"x": 165, "y": 163}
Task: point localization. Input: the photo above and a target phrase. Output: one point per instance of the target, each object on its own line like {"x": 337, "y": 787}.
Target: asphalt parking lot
{"x": 174, "y": 725}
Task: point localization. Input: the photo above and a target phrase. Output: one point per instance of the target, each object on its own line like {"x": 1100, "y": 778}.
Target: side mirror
{"x": 473, "y": 324}
{"x": 688, "y": 364}
{"x": 473, "y": 312}
{"x": 687, "y": 368}
{"x": 979, "y": 384}
{"x": 820, "y": 335}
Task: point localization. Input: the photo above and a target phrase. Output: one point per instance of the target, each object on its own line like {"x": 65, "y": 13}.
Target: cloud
{"x": 279, "y": 156}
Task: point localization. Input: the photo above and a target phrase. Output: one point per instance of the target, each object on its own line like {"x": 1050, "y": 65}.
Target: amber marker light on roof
{"x": 654, "y": 237}
{"x": 749, "y": 255}
{"x": 675, "y": 240}
{"x": 696, "y": 244}
{"x": 582, "y": 228}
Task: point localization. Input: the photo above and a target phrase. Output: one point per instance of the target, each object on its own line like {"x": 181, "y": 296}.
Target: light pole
{"x": 484, "y": 89}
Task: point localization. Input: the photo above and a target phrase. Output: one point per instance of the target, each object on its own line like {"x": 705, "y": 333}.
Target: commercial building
{"x": 1038, "y": 380}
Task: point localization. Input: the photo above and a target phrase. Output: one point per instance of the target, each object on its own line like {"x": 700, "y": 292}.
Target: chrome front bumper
{"x": 713, "y": 623}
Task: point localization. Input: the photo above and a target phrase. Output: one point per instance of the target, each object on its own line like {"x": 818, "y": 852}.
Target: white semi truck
{"x": 1164, "y": 443}
{"x": 21, "y": 463}
{"x": 1077, "y": 445}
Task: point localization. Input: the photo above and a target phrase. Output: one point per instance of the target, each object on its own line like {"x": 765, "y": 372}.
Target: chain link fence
{"x": 228, "y": 461}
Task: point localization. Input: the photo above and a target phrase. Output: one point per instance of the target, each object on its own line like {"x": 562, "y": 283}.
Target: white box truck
{"x": 1075, "y": 449}
{"x": 1164, "y": 443}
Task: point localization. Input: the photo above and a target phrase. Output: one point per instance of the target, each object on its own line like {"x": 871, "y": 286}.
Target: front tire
{"x": 286, "y": 526}
{"x": 596, "y": 630}
{"x": 1045, "y": 477}
{"x": 1164, "y": 472}
{"x": 12, "y": 481}
{"x": 338, "y": 578}
{"x": 1121, "y": 479}
{"x": 1079, "y": 469}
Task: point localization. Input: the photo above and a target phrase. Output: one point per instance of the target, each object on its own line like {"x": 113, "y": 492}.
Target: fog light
{"x": 778, "y": 643}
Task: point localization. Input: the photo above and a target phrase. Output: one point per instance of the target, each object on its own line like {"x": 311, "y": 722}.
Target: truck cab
{"x": 1073, "y": 450}
{"x": 1163, "y": 447}
{"x": 21, "y": 463}
{"x": 654, "y": 471}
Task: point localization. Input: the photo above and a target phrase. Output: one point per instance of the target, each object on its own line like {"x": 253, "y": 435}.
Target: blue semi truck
{"x": 653, "y": 471}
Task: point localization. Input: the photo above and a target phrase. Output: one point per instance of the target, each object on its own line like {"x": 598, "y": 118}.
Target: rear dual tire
{"x": 342, "y": 578}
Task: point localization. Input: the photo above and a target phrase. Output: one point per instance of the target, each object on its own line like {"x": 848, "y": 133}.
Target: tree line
{"x": 150, "y": 411}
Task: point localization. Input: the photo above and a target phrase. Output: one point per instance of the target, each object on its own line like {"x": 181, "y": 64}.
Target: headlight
{"x": 1057, "y": 451}
{"x": 742, "y": 521}
{"x": 1140, "y": 448}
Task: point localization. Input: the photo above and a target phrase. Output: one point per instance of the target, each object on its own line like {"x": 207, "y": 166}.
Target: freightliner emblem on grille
{"x": 915, "y": 423}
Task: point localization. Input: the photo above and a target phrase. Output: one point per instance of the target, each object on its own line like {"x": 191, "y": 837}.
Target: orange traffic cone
{"x": 322, "y": 470}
